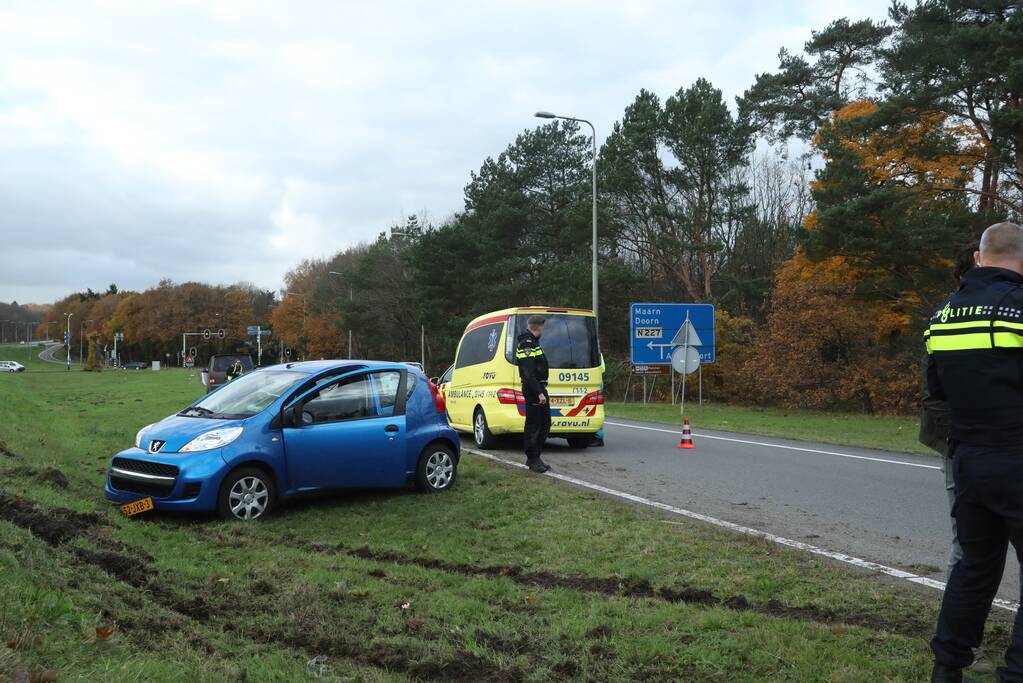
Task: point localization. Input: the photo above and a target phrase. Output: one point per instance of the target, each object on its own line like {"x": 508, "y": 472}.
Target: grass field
{"x": 508, "y": 577}
{"x": 866, "y": 431}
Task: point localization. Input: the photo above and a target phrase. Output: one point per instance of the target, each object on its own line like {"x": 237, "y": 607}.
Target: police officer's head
{"x": 535, "y": 324}
{"x": 1001, "y": 246}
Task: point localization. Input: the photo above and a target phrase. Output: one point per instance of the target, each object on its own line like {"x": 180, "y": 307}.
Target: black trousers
{"x": 538, "y": 426}
{"x": 988, "y": 511}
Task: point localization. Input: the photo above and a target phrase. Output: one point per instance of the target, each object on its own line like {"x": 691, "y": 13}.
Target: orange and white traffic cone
{"x": 687, "y": 435}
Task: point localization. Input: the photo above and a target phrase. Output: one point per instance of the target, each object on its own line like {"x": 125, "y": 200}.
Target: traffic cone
{"x": 687, "y": 435}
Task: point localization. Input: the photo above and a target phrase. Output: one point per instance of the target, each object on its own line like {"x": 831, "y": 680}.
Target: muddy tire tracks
{"x": 634, "y": 588}
{"x": 57, "y": 527}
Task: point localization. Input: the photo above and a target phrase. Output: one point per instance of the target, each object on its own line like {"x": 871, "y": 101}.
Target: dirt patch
{"x": 52, "y": 525}
{"x": 53, "y": 476}
{"x": 128, "y": 569}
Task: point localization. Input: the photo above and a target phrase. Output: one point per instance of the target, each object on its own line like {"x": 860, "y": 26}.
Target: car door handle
{"x": 391, "y": 429}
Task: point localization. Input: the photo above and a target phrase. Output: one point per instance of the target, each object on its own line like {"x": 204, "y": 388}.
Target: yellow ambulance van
{"x": 484, "y": 394}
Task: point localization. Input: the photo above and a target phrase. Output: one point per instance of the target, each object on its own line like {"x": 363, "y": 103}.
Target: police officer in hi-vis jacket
{"x": 974, "y": 344}
{"x": 533, "y": 373}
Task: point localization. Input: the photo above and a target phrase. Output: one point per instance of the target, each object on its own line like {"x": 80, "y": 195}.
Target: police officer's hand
{"x": 542, "y": 399}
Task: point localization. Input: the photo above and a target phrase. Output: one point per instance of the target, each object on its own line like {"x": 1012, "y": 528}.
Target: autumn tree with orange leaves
{"x": 847, "y": 308}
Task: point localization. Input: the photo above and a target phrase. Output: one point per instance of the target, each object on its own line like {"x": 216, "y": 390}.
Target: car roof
{"x": 313, "y": 367}
{"x": 499, "y": 316}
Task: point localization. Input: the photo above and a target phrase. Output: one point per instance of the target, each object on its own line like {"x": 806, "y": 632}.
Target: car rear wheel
{"x": 246, "y": 494}
{"x": 436, "y": 470}
{"x": 579, "y": 441}
{"x": 481, "y": 433}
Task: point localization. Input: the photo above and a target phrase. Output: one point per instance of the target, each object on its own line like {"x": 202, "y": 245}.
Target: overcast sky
{"x": 227, "y": 140}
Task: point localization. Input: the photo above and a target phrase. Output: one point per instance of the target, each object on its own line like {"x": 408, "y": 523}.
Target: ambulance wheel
{"x": 481, "y": 433}
{"x": 579, "y": 441}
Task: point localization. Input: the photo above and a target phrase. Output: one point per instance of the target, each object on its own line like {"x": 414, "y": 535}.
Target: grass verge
{"x": 843, "y": 429}
{"x": 508, "y": 577}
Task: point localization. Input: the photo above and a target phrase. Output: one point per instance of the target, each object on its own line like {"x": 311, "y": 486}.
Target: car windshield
{"x": 245, "y": 396}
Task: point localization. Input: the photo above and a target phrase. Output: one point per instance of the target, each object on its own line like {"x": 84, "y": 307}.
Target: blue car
{"x": 289, "y": 429}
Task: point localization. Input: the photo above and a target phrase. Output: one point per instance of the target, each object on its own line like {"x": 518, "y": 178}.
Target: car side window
{"x": 479, "y": 345}
{"x": 446, "y": 377}
{"x": 370, "y": 395}
{"x": 385, "y": 386}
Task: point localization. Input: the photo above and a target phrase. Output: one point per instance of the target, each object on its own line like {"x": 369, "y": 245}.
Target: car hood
{"x": 178, "y": 430}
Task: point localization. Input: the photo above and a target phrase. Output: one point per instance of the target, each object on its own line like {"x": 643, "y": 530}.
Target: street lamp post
{"x": 67, "y": 341}
{"x": 351, "y": 296}
{"x": 549, "y": 115}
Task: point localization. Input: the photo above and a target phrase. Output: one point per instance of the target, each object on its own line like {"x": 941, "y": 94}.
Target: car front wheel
{"x": 246, "y": 494}
{"x": 481, "y": 433}
{"x": 436, "y": 470}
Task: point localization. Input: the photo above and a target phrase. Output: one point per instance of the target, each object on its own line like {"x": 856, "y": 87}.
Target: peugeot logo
{"x": 155, "y": 446}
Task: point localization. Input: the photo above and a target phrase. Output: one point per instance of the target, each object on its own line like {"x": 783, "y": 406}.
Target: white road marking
{"x": 748, "y": 531}
{"x": 776, "y": 445}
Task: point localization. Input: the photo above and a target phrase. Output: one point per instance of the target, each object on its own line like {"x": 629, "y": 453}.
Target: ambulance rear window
{"x": 569, "y": 341}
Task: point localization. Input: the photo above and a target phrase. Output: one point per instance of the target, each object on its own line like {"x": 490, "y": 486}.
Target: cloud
{"x": 228, "y": 140}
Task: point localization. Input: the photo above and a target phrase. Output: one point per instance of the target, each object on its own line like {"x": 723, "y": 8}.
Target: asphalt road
{"x": 879, "y": 506}
{"x": 47, "y": 354}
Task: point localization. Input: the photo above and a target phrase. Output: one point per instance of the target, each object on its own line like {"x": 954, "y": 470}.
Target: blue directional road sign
{"x": 255, "y": 329}
{"x": 654, "y": 331}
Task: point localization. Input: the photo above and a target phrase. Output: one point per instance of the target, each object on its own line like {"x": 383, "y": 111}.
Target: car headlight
{"x": 212, "y": 439}
{"x": 138, "y": 437}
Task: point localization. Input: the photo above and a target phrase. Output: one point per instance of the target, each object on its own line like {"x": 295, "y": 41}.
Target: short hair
{"x": 965, "y": 261}
{"x": 535, "y": 321}
{"x": 1002, "y": 240}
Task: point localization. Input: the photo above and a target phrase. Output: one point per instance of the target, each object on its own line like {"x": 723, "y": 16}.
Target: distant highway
{"x": 888, "y": 508}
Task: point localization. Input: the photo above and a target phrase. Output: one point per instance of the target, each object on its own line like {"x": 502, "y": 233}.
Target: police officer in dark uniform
{"x": 975, "y": 347}
{"x": 533, "y": 372}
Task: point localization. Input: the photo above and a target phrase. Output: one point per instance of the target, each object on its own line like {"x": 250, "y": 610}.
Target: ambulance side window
{"x": 479, "y": 345}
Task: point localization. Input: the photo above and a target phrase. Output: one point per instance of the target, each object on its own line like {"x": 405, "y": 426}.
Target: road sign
{"x": 252, "y": 330}
{"x": 206, "y": 334}
{"x": 650, "y": 369}
{"x": 220, "y": 333}
{"x": 655, "y": 331}
{"x": 192, "y": 352}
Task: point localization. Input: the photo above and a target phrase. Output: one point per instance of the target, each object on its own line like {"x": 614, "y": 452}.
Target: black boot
{"x": 537, "y": 465}
{"x": 948, "y": 674}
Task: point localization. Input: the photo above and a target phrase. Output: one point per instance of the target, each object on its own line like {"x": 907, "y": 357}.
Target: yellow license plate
{"x": 563, "y": 400}
{"x": 134, "y": 508}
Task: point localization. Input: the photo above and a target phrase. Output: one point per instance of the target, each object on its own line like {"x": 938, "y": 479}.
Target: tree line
{"x": 823, "y": 264}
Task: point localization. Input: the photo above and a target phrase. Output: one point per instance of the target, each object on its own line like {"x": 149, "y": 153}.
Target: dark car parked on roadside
{"x": 135, "y": 365}
{"x": 220, "y": 364}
